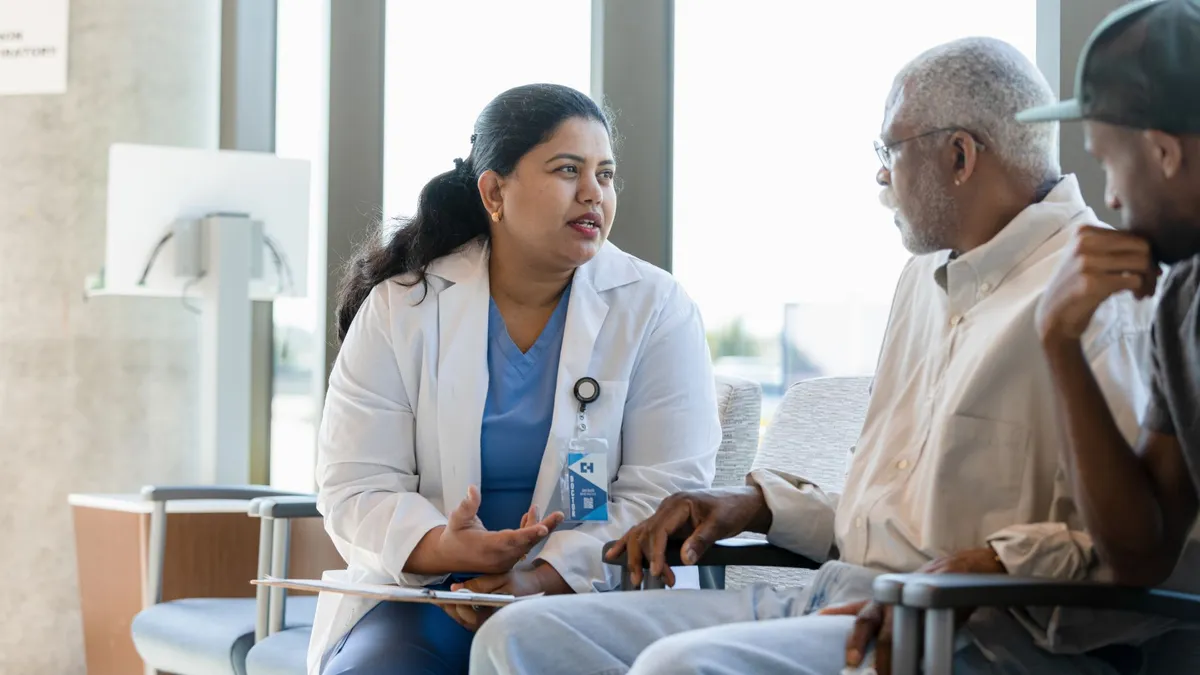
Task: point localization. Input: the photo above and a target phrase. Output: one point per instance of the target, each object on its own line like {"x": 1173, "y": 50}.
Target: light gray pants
{"x": 753, "y": 630}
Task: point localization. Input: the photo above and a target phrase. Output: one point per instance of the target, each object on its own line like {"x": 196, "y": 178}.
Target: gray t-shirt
{"x": 1174, "y": 407}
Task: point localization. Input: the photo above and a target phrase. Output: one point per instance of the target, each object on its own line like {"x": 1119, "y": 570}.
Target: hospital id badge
{"x": 584, "y": 482}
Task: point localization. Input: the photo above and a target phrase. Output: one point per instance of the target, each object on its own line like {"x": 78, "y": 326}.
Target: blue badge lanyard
{"x": 587, "y": 390}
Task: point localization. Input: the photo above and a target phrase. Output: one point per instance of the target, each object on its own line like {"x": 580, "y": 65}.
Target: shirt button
{"x": 858, "y": 522}
{"x": 985, "y": 287}
{"x": 954, "y": 320}
{"x": 902, "y": 464}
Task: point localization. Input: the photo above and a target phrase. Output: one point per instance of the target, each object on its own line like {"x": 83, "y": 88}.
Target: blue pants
{"x": 402, "y": 638}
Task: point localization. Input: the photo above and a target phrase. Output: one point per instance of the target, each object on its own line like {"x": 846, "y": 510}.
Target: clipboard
{"x": 390, "y": 593}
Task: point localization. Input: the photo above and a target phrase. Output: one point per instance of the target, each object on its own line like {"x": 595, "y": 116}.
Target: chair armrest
{"x": 947, "y": 591}
{"x": 888, "y": 589}
{"x": 292, "y": 506}
{"x": 170, "y": 493}
{"x": 159, "y": 495}
{"x": 274, "y": 553}
{"x": 730, "y": 552}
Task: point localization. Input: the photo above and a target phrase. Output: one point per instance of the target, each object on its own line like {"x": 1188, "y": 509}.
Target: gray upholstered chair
{"x": 284, "y": 650}
{"x": 739, "y": 404}
{"x": 204, "y": 636}
{"x": 812, "y": 435}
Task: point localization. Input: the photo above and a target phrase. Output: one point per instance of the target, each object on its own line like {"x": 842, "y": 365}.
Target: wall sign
{"x": 33, "y": 46}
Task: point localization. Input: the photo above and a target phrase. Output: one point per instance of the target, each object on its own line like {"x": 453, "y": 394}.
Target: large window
{"x": 447, "y": 59}
{"x": 778, "y": 232}
{"x": 301, "y": 120}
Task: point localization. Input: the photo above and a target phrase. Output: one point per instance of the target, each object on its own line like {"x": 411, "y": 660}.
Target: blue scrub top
{"x": 517, "y": 415}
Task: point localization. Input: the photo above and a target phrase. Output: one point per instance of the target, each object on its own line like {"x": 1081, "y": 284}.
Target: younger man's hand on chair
{"x": 703, "y": 516}
{"x": 874, "y": 621}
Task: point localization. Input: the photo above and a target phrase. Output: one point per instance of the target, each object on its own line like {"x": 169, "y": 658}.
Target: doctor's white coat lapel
{"x": 462, "y": 377}
{"x": 462, "y": 373}
{"x": 586, "y": 311}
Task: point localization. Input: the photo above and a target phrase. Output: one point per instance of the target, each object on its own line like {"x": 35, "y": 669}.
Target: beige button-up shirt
{"x": 962, "y": 444}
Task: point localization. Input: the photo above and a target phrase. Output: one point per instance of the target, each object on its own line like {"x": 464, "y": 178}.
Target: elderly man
{"x": 957, "y": 468}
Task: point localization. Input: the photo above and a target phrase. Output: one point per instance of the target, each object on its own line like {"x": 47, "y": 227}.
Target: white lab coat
{"x": 399, "y": 439}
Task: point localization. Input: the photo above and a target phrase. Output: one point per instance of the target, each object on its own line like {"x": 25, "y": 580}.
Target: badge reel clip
{"x": 583, "y": 484}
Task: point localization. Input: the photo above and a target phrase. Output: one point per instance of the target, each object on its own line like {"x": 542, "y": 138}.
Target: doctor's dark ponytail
{"x": 450, "y": 211}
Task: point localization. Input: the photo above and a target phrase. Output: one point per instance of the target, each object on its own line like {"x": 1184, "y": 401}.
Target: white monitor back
{"x": 150, "y": 187}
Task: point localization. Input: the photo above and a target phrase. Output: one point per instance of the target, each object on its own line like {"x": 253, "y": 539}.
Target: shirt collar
{"x": 987, "y": 266}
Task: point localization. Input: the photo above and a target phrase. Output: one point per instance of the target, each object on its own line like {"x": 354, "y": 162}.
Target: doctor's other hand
{"x": 465, "y": 545}
{"x": 541, "y": 579}
{"x": 1099, "y": 263}
{"x": 703, "y": 517}
{"x": 470, "y": 617}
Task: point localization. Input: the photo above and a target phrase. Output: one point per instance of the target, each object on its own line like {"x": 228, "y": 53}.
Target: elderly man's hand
{"x": 973, "y": 561}
{"x": 703, "y": 516}
{"x": 874, "y": 621}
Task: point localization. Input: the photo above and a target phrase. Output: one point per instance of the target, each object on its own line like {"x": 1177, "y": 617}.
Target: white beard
{"x": 935, "y": 213}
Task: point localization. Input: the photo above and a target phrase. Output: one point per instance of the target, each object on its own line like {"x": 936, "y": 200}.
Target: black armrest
{"x": 298, "y": 506}
{"x": 731, "y": 552}
{"x": 945, "y": 591}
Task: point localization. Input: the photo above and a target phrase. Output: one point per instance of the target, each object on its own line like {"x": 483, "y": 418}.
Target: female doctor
{"x": 469, "y": 340}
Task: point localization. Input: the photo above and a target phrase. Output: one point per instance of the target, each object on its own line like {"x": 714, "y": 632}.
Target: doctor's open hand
{"x": 542, "y": 578}
{"x": 1099, "y": 263}
{"x": 465, "y": 545}
{"x": 703, "y": 517}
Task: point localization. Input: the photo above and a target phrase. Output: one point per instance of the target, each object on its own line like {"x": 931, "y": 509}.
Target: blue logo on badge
{"x": 586, "y": 496}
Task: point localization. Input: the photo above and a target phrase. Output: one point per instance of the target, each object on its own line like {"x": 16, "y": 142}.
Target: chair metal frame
{"x": 160, "y": 496}
{"x": 276, "y": 514}
{"x": 934, "y": 598}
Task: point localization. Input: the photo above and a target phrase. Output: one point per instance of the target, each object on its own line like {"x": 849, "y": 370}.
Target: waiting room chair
{"x": 205, "y": 636}
{"x": 739, "y": 406}
{"x": 812, "y": 434}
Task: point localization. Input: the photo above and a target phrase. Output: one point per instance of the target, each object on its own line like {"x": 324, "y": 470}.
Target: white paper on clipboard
{"x": 393, "y": 593}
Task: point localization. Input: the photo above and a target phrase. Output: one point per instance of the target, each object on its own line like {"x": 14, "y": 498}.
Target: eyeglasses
{"x": 884, "y": 152}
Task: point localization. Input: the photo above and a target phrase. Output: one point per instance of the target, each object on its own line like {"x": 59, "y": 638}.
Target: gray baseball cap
{"x": 1139, "y": 69}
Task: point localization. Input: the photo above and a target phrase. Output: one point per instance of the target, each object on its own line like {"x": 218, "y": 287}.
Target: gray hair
{"x": 980, "y": 84}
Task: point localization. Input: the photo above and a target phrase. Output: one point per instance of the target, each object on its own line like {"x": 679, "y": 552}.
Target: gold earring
{"x": 496, "y": 216}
